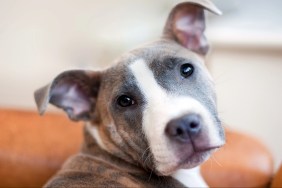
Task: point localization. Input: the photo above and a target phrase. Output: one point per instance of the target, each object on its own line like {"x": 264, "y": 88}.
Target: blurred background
{"x": 39, "y": 39}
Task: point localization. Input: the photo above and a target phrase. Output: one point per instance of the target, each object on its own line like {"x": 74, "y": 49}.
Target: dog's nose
{"x": 184, "y": 128}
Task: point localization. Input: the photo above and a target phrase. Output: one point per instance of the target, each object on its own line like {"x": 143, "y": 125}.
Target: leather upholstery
{"x": 32, "y": 149}
{"x": 277, "y": 180}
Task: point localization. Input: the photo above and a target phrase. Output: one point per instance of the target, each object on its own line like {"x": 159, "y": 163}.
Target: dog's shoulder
{"x": 83, "y": 170}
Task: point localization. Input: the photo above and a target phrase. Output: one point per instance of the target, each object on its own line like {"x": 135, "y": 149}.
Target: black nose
{"x": 184, "y": 128}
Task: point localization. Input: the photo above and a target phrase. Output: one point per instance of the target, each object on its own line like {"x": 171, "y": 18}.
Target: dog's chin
{"x": 184, "y": 162}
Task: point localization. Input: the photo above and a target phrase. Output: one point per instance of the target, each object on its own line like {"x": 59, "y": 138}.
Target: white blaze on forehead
{"x": 154, "y": 95}
{"x": 162, "y": 107}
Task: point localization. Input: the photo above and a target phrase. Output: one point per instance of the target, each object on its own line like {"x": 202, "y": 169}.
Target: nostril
{"x": 179, "y": 131}
{"x": 194, "y": 125}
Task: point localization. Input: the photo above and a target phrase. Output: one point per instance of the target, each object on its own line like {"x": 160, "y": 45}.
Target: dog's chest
{"x": 190, "y": 178}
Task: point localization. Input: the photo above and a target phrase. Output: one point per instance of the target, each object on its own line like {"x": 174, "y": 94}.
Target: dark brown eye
{"x": 186, "y": 70}
{"x": 125, "y": 101}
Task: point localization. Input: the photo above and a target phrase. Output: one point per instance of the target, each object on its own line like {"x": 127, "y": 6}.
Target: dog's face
{"x": 156, "y": 106}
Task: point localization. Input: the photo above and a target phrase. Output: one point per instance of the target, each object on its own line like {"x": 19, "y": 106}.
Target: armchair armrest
{"x": 32, "y": 148}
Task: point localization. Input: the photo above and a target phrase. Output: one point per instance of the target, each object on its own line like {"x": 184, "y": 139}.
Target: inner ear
{"x": 74, "y": 91}
{"x": 186, "y": 25}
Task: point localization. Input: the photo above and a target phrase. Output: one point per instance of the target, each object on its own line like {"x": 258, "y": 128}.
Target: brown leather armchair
{"x": 32, "y": 149}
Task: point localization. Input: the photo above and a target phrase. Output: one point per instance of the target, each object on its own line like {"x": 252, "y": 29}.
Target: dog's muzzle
{"x": 189, "y": 133}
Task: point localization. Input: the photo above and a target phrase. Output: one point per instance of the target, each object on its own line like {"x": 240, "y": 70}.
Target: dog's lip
{"x": 198, "y": 154}
{"x": 198, "y": 150}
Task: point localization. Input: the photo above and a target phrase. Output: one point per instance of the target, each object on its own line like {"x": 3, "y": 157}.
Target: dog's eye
{"x": 186, "y": 70}
{"x": 125, "y": 101}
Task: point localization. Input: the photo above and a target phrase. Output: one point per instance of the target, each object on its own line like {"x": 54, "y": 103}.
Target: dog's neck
{"x": 92, "y": 147}
{"x": 145, "y": 178}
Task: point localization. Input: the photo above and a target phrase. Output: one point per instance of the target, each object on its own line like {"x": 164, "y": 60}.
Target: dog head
{"x": 156, "y": 107}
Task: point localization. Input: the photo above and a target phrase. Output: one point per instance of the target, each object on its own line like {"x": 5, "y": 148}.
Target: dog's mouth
{"x": 196, "y": 158}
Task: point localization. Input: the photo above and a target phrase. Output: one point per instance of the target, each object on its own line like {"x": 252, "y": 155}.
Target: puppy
{"x": 151, "y": 118}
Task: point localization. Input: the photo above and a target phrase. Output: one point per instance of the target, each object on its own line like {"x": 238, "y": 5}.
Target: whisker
{"x": 150, "y": 175}
{"x": 216, "y": 161}
{"x": 146, "y": 150}
{"x": 211, "y": 163}
{"x": 148, "y": 157}
{"x": 142, "y": 156}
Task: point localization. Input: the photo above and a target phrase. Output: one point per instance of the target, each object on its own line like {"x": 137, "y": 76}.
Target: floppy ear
{"x": 74, "y": 91}
{"x": 186, "y": 24}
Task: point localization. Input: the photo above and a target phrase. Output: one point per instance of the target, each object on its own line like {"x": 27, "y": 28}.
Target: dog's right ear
{"x": 186, "y": 24}
{"x": 74, "y": 91}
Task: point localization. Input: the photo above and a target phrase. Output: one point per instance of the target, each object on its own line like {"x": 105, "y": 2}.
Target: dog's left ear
{"x": 74, "y": 91}
{"x": 186, "y": 24}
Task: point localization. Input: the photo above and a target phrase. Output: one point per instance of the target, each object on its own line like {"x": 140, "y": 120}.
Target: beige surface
{"x": 249, "y": 87}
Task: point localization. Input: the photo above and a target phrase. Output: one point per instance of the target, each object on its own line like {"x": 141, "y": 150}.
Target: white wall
{"x": 246, "y": 63}
{"x": 249, "y": 87}
{"x": 39, "y": 39}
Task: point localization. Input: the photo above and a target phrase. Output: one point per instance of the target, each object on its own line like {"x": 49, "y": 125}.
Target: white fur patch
{"x": 190, "y": 178}
{"x": 95, "y": 134}
{"x": 160, "y": 109}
